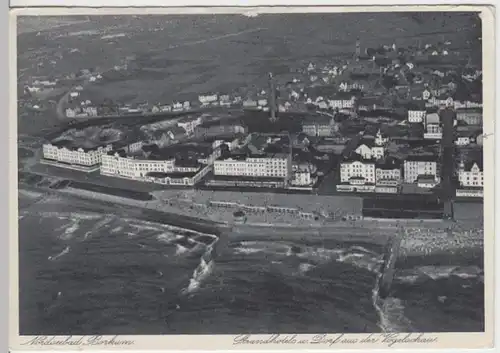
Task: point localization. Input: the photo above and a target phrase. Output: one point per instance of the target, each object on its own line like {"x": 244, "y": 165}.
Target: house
{"x": 466, "y": 104}
{"x": 369, "y": 150}
{"x": 388, "y": 175}
{"x": 416, "y": 116}
{"x": 177, "y": 107}
{"x": 471, "y": 174}
{"x": 433, "y": 128}
{"x": 347, "y": 87}
{"x": 381, "y": 139}
{"x": 189, "y": 123}
{"x": 186, "y": 105}
{"x": 463, "y": 138}
{"x": 426, "y": 181}
{"x": 70, "y": 113}
{"x": 320, "y": 126}
{"x": 341, "y": 102}
{"x": 441, "y": 100}
{"x": 303, "y": 174}
{"x": 262, "y": 102}
{"x": 322, "y": 105}
{"x": 300, "y": 141}
{"x": 207, "y": 99}
{"x": 224, "y": 100}
{"x": 472, "y": 116}
{"x": 218, "y": 128}
{"x": 294, "y": 95}
{"x": 367, "y": 104}
{"x": 418, "y": 165}
{"x": 161, "y": 139}
{"x": 176, "y": 133}
{"x": 91, "y": 111}
{"x": 426, "y": 94}
{"x": 166, "y": 108}
{"x": 249, "y": 103}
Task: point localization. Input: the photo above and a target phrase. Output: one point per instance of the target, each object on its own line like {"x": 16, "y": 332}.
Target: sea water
{"x": 86, "y": 272}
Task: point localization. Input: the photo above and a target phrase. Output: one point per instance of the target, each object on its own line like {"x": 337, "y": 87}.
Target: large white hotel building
{"x": 278, "y": 165}
{"x": 63, "y": 154}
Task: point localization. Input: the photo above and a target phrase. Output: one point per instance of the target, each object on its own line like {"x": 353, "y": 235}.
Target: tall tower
{"x": 272, "y": 99}
{"x": 447, "y": 159}
{"x": 358, "y": 49}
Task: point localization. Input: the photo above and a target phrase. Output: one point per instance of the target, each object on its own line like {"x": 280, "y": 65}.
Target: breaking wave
{"x": 62, "y": 253}
{"x": 423, "y": 273}
{"x": 204, "y": 268}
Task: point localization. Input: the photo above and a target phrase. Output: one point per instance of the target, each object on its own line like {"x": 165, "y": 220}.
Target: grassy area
{"x": 188, "y": 55}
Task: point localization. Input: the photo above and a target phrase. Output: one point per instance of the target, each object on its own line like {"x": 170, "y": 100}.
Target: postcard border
{"x": 447, "y": 340}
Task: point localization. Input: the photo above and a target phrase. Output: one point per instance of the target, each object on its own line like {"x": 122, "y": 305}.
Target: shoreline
{"x": 429, "y": 238}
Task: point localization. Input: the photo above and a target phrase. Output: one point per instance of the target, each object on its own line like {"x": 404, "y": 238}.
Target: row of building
{"x": 387, "y": 176}
{"x": 260, "y": 161}
{"x": 237, "y": 159}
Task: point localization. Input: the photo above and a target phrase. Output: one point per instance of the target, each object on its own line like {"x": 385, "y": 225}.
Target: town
{"x": 388, "y": 121}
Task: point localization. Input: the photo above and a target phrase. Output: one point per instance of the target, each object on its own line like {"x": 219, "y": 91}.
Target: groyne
{"x": 388, "y": 265}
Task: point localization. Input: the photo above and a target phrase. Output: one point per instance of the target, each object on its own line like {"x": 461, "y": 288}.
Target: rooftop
{"x": 179, "y": 152}
{"x": 317, "y": 120}
{"x": 222, "y": 121}
{"x": 388, "y": 164}
{"x": 354, "y": 157}
{"x": 426, "y": 178}
{"x": 469, "y": 164}
{"x": 432, "y": 118}
{"x": 175, "y": 175}
{"x": 74, "y": 146}
{"x": 421, "y": 158}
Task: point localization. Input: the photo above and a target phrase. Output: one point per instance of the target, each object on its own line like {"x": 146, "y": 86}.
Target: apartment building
{"x": 420, "y": 165}
{"x": 272, "y": 166}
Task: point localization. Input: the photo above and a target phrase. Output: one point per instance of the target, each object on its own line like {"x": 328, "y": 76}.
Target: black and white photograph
{"x": 250, "y": 173}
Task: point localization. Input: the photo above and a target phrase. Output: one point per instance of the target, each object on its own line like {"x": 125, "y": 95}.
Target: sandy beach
{"x": 419, "y": 238}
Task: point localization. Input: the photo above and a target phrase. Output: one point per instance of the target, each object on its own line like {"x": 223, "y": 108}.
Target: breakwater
{"x": 388, "y": 265}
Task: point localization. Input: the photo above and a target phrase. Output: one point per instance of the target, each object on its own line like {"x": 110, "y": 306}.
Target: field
{"x": 179, "y": 57}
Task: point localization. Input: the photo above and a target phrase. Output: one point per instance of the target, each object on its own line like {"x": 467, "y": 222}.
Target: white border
{"x": 232, "y": 3}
